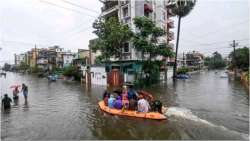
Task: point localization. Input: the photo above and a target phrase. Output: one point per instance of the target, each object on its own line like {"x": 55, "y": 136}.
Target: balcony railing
{"x": 170, "y": 13}
{"x": 170, "y": 35}
{"x": 109, "y": 5}
{"x": 148, "y": 8}
{"x": 170, "y": 23}
{"x": 124, "y": 2}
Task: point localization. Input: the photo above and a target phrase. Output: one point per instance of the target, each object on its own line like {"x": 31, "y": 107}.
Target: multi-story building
{"x": 19, "y": 58}
{"x": 33, "y": 58}
{"x": 67, "y": 58}
{"x": 193, "y": 60}
{"x": 42, "y": 59}
{"x": 82, "y": 57}
{"x": 127, "y": 10}
{"x": 56, "y": 57}
{"x": 28, "y": 56}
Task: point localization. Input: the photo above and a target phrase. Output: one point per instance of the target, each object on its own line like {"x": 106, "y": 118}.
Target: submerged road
{"x": 203, "y": 107}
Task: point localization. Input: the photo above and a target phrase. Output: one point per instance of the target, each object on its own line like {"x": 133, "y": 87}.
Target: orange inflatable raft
{"x": 149, "y": 115}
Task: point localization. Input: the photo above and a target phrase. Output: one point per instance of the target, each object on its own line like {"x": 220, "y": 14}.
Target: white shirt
{"x": 143, "y": 106}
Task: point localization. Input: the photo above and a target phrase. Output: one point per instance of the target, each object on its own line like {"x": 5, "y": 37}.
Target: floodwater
{"x": 203, "y": 107}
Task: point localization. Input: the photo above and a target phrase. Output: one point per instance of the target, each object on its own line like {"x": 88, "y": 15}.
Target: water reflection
{"x": 69, "y": 110}
{"x": 16, "y": 102}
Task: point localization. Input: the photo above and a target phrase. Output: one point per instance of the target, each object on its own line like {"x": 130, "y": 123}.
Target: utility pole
{"x": 183, "y": 64}
{"x": 176, "y": 50}
{"x": 234, "y": 57}
{"x": 35, "y": 57}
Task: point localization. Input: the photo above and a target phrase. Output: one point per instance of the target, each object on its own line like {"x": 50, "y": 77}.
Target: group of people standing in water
{"x": 6, "y": 101}
{"x": 129, "y": 99}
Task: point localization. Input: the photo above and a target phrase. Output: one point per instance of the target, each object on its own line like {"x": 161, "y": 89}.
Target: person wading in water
{"x": 25, "y": 91}
{"x": 6, "y": 102}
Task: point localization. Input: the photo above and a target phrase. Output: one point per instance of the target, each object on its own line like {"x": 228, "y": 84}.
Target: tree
{"x": 72, "y": 71}
{"x": 6, "y": 67}
{"x": 111, "y": 37}
{"x": 23, "y": 66}
{"x": 241, "y": 57}
{"x": 181, "y": 8}
{"x": 147, "y": 41}
{"x": 182, "y": 70}
{"x": 215, "y": 62}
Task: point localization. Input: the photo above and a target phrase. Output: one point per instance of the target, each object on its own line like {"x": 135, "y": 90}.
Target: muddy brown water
{"x": 203, "y": 107}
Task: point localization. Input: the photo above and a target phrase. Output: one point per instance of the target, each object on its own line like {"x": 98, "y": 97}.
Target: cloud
{"x": 36, "y": 22}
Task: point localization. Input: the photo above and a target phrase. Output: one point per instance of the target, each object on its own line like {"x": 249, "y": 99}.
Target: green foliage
{"x": 99, "y": 59}
{"x": 72, "y": 71}
{"x": 111, "y": 36}
{"x": 183, "y": 70}
{"x": 241, "y": 57}
{"x": 182, "y": 7}
{"x": 36, "y": 70}
{"x": 151, "y": 70}
{"x": 215, "y": 62}
{"x": 146, "y": 39}
{"x": 23, "y": 66}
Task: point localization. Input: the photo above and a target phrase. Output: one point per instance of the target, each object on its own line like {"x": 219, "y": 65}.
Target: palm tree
{"x": 180, "y": 8}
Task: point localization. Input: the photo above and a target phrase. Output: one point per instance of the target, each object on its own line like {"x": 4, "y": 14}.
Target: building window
{"x": 126, "y": 20}
{"x": 164, "y": 16}
{"x": 126, "y": 47}
{"x": 125, "y": 12}
{"x": 123, "y": 2}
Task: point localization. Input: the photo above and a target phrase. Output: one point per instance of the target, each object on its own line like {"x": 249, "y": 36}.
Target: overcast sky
{"x": 211, "y": 26}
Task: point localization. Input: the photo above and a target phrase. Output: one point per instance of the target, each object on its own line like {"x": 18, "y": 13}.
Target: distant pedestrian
{"x": 6, "y": 102}
{"x": 25, "y": 91}
{"x": 15, "y": 93}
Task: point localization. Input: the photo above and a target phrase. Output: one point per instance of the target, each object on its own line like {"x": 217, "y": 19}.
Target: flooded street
{"x": 203, "y": 107}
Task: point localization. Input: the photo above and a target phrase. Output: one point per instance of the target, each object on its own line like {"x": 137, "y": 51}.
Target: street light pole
{"x": 177, "y": 45}
{"x": 234, "y": 44}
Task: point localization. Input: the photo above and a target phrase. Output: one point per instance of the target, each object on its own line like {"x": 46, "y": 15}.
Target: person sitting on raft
{"x": 125, "y": 101}
{"x": 118, "y": 103}
{"x": 111, "y": 101}
{"x": 15, "y": 93}
{"x": 105, "y": 97}
{"x": 142, "y": 105}
{"x": 132, "y": 104}
{"x": 131, "y": 93}
{"x": 156, "y": 106}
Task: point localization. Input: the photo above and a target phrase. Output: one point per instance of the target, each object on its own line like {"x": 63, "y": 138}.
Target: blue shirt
{"x": 131, "y": 94}
{"x": 111, "y": 102}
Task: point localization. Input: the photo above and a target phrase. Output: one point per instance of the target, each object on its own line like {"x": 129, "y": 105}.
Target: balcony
{"x": 148, "y": 8}
{"x": 170, "y": 13}
{"x": 171, "y": 45}
{"x": 170, "y": 23}
{"x": 170, "y": 35}
{"x": 124, "y": 2}
{"x": 108, "y": 5}
{"x": 170, "y": 3}
{"x": 42, "y": 61}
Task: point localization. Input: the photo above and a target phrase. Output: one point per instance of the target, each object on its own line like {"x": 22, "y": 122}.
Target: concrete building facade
{"x": 127, "y": 10}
